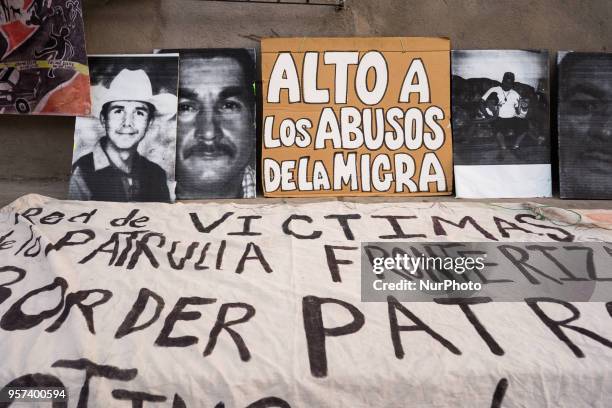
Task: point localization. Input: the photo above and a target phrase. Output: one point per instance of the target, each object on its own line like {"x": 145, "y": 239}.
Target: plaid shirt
{"x": 248, "y": 183}
{"x": 95, "y": 177}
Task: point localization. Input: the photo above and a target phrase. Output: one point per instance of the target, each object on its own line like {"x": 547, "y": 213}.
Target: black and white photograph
{"x": 500, "y": 118}
{"x": 216, "y": 140}
{"x": 126, "y": 149}
{"x": 585, "y": 125}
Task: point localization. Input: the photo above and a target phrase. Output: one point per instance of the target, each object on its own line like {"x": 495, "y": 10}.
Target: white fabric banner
{"x": 258, "y": 305}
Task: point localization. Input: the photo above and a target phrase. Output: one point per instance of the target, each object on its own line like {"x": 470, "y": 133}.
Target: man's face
{"x": 215, "y": 126}
{"x": 585, "y": 123}
{"x": 507, "y": 84}
{"x": 126, "y": 123}
{"x": 491, "y": 103}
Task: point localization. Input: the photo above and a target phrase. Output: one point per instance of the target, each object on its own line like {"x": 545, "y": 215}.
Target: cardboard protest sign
{"x": 216, "y": 143}
{"x": 126, "y": 149}
{"x": 356, "y": 116}
{"x": 585, "y": 125}
{"x": 43, "y": 62}
{"x": 501, "y": 121}
{"x": 258, "y": 305}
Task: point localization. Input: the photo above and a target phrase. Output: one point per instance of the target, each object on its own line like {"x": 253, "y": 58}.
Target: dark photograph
{"x": 125, "y": 150}
{"x": 216, "y": 139}
{"x": 585, "y": 125}
{"x": 500, "y": 107}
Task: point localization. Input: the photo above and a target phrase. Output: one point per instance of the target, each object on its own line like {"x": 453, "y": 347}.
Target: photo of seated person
{"x": 112, "y": 161}
{"x": 501, "y": 123}
{"x": 509, "y": 121}
{"x": 585, "y": 125}
{"x": 518, "y": 132}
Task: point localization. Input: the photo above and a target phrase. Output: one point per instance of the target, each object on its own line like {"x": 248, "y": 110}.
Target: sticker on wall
{"x": 356, "y": 116}
{"x": 501, "y": 123}
{"x": 216, "y": 142}
{"x": 43, "y": 62}
{"x": 125, "y": 150}
{"x": 585, "y": 125}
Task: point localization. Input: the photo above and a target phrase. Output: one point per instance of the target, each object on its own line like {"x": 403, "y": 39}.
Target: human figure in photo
{"x": 216, "y": 131}
{"x": 585, "y": 124}
{"x": 114, "y": 170}
{"x": 489, "y": 111}
{"x": 58, "y": 48}
{"x": 486, "y": 114}
{"x": 522, "y": 113}
{"x": 508, "y": 121}
{"x": 527, "y": 112}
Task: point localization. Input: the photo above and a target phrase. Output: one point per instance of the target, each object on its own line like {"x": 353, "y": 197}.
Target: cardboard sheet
{"x": 356, "y": 116}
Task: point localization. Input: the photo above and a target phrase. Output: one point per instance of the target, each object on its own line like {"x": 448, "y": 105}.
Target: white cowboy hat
{"x": 131, "y": 85}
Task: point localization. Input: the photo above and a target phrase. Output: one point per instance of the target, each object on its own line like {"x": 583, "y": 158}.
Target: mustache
{"x": 218, "y": 148}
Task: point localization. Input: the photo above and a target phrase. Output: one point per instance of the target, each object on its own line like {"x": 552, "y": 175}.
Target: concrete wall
{"x": 41, "y": 148}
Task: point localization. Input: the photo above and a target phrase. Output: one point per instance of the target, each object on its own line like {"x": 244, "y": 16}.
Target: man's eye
{"x": 116, "y": 111}
{"x": 140, "y": 113}
{"x": 586, "y": 107}
{"x": 231, "y": 106}
{"x": 186, "y": 108}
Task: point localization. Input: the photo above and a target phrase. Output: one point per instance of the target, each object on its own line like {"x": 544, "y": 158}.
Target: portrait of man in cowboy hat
{"x": 126, "y": 111}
